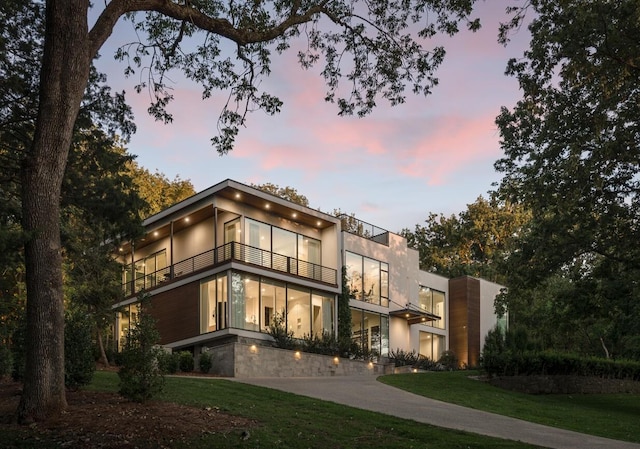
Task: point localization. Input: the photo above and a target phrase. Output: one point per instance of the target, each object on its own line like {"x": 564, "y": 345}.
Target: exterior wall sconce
{"x": 253, "y": 349}
{"x": 414, "y": 370}
{"x": 297, "y": 355}
{"x": 336, "y": 360}
{"x": 370, "y": 365}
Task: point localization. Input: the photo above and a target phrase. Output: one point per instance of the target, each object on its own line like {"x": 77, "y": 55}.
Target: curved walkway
{"x": 367, "y": 393}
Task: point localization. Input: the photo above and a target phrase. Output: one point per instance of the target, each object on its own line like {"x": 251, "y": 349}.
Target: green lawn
{"x": 290, "y": 421}
{"x": 607, "y": 415}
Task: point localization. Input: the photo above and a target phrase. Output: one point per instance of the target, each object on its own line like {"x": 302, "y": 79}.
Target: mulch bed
{"x": 107, "y": 420}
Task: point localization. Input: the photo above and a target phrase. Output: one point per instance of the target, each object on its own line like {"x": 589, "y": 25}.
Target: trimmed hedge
{"x": 549, "y": 363}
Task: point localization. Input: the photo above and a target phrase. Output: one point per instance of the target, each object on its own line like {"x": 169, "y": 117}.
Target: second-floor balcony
{"x": 232, "y": 252}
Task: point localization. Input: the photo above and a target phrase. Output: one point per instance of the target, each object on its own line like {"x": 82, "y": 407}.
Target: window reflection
{"x": 368, "y": 279}
{"x": 432, "y": 301}
{"x": 255, "y": 302}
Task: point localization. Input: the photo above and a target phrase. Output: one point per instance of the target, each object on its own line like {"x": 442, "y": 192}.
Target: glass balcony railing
{"x": 238, "y": 252}
{"x": 363, "y": 229}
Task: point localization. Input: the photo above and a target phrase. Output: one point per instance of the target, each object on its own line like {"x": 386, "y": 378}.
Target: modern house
{"x": 222, "y": 264}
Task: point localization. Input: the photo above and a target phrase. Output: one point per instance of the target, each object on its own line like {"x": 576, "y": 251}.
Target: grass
{"x": 291, "y": 421}
{"x": 606, "y": 415}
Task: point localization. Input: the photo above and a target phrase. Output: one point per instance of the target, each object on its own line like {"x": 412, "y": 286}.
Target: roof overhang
{"x": 414, "y": 316}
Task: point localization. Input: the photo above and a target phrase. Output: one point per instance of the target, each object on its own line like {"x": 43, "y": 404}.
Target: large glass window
{"x": 322, "y": 311}
{"x": 298, "y": 311}
{"x": 213, "y": 304}
{"x": 368, "y": 279}
{"x": 245, "y": 301}
{"x": 273, "y": 295}
{"x": 353, "y": 263}
{"x": 147, "y": 272}
{"x": 309, "y": 257}
{"x": 255, "y": 302}
{"x": 282, "y": 250}
{"x": 232, "y": 231}
{"x": 431, "y": 345}
{"x": 370, "y": 331}
{"x": 258, "y": 241}
{"x": 371, "y": 280}
{"x": 432, "y": 301}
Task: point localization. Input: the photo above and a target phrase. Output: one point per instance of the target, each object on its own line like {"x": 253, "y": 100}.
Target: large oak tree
{"x": 369, "y": 44}
{"x": 572, "y": 157}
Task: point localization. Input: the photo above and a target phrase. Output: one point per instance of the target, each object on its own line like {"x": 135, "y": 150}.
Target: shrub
{"x": 169, "y": 362}
{"x": 403, "y": 358}
{"x": 79, "y": 361}
{"x": 278, "y": 330}
{"x": 204, "y": 362}
{"x": 425, "y": 363}
{"x": 140, "y": 374}
{"x": 186, "y": 361}
{"x": 449, "y": 361}
{"x": 326, "y": 344}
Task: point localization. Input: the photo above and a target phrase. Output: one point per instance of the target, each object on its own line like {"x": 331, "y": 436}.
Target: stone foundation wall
{"x": 236, "y": 359}
{"x": 565, "y": 385}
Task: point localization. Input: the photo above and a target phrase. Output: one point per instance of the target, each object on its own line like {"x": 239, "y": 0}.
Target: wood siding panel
{"x": 464, "y": 319}
{"x": 473, "y": 324}
{"x": 177, "y": 313}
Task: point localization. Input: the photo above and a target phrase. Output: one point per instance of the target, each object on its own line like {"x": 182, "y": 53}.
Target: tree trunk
{"x": 63, "y": 79}
{"x": 103, "y": 355}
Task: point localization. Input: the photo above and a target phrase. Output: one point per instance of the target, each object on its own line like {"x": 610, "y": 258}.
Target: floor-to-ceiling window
{"x": 368, "y": 279}
{"x": 282, "y": 250}
{"x": 273, "y": 296}
{"x": 299, "y": 311}
{"x": 309, "y": 256}
{"x": 322, "y": 313}
{"x": 213, "y": 304}
{"x": 431, "y": 345}
{"x": 353, "y": 262}
{"x": 255, "y": 301}
{"x": 245, "y": 311}
{"x": 432, "y": 301}
{"x": 370, "y": 331}
{"x": 146, "y": 272}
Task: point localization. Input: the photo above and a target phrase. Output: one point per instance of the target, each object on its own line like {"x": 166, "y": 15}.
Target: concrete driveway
{"x": 367, "y": 393}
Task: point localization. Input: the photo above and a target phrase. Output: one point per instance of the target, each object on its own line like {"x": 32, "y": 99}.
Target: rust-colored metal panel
{"x": 464, "y": 319}
{"x": 177, "y": 312}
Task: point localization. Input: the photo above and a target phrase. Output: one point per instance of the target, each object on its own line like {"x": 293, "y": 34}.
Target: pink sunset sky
{"x": 391, "y": 168}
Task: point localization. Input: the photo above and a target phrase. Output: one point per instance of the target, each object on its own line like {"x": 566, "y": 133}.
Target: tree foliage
{"x": 140, "y": 375}
{"x": 79, "y": 361}
{"x": 158, "y": 191}
{"x": 572, "y": 157}
{"x": 473, "y": 243}
{"x": 286, "y": 193}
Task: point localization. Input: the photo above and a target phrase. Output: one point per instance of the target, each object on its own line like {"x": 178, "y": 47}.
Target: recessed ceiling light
{"x": 267, "y": 206}
{"x": 155, "y": 233}
{"x": 187, "y": 219}
{"x": 294, "y": 215}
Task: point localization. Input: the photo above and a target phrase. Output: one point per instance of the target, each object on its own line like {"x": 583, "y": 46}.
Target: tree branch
{"x": 117, "y": 8}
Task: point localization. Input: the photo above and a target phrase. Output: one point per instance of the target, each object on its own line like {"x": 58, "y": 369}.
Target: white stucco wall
{"x": 488, "y": 318}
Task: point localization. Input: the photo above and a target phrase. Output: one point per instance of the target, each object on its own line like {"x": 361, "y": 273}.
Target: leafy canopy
{"x": 372, "y": 46}
{"x": 572, "y": 156}
{"x": 473, "y": 243}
